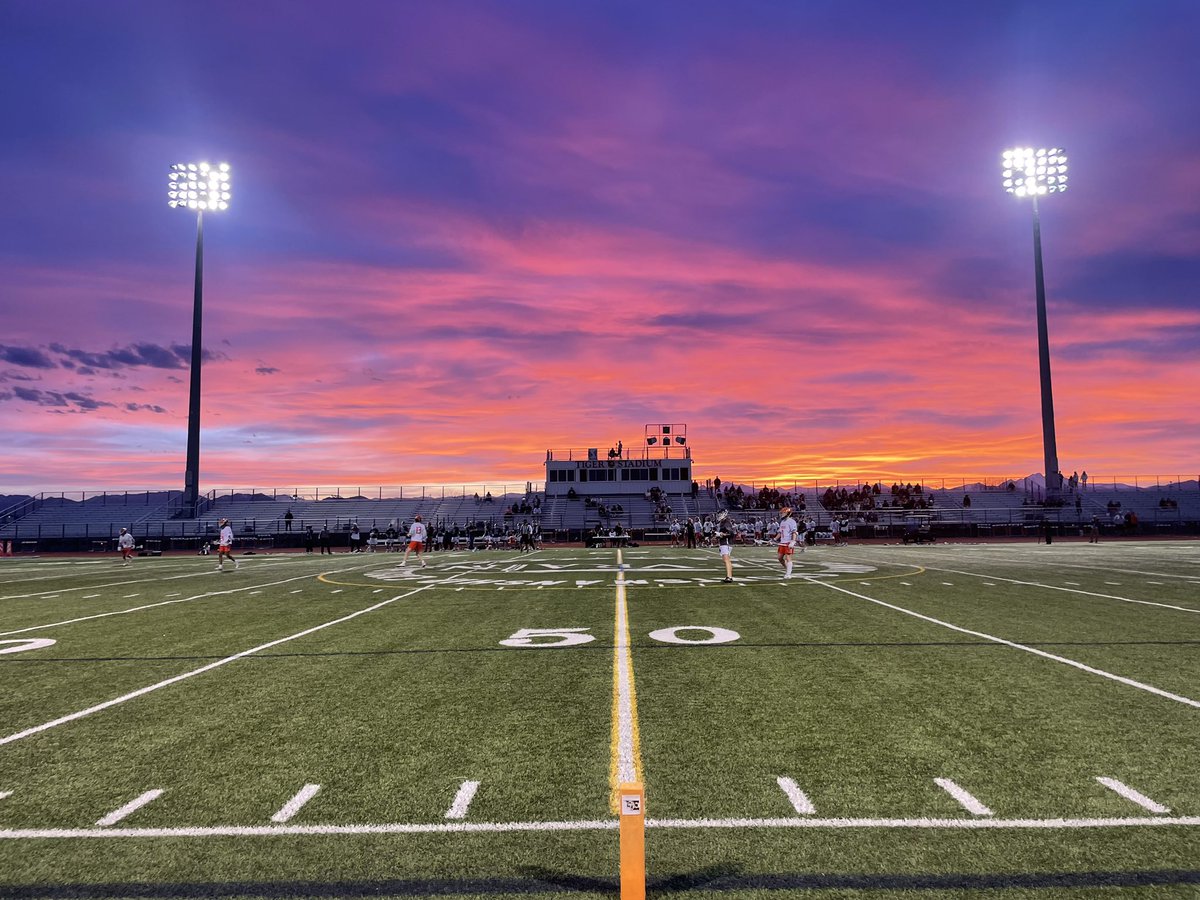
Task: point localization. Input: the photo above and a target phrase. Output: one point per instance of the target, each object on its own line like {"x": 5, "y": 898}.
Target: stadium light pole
{"x": 201, "y": 188}
{"x": 1034, "y": 173}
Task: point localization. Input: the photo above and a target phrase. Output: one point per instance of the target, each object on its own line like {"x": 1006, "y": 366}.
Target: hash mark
{"x": 1130, "y": 794}
{"x": 965, "y": 799}
{"x": 462, "y": 800}
{"x": 293, "y": 806}
{"x": 131, "y": 807}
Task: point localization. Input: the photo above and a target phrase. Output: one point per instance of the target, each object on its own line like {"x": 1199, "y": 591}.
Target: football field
{"x": 1012, "y": 720}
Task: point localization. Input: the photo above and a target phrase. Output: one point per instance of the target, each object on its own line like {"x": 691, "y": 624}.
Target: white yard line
{"x": 1130, "y": 794}
{"x": 271, "y": 831}
{"x": 62, "y": 720}
{"x": 129, "y": 808}
{"x": 4, "y": 794}
{"x": 797, "y": 797}
{"x": 122, "y": 612}
{"x": 98, "y": 587}
{"x": 1036, "y": 652}
{"x": 1124, "y": 571}
{"x": 965, "y": 798}
{"x": 462, "y": 800}
{"x": 1057, "y": 587}
{"x": 294, "y": 805}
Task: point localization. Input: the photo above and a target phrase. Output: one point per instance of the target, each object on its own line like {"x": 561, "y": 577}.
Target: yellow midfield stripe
{"x": 626, "y": 766}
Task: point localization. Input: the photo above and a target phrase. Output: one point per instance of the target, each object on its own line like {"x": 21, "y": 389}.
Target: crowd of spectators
{"x": 662, "y": 508}
{"x": 735, "y": 497}
{"x": 871, "y": 496}
{"x": 606, "y": 510}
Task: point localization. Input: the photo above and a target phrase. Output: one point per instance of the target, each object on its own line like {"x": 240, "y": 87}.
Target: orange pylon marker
{"x": 633, "y": 841}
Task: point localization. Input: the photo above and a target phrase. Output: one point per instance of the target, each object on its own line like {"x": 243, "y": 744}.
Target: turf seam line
{"x": 1132, "y": 795}
{"x": 129, "y": 808}
{"x": 62, "y": 720}
{"x": 1062, "y": 659}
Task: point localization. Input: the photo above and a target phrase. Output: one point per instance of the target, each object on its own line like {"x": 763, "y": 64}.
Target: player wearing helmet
{"x": 724, "y": 536}
{"x": 788, "y": 529}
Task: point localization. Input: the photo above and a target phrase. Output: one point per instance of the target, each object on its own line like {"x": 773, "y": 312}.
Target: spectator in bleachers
{"x": 287, "y": 520}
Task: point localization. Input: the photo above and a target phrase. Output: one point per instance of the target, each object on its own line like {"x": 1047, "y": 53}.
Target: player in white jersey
{"x": 788, "y": 530}
{"x": 125, "y": 545}
{"x": 724, "y": 535}
{"x": 225, "y": 546}
{"x": 416, "y": 540}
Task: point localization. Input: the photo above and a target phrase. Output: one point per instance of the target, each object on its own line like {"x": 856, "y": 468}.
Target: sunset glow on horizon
{"x": 465, "y": 233}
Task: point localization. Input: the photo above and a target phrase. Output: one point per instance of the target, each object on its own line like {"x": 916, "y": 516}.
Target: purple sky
{"x": 463, "y": 233}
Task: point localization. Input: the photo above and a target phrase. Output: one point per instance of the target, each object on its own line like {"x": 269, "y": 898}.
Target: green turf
{"x": 863, "y": 705}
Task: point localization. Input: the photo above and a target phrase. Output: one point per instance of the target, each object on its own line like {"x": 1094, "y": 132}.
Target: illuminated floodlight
{"x": 1026, "y": 172}
{"x": 198, "y": 186}
{"x": 1029, "y": 172}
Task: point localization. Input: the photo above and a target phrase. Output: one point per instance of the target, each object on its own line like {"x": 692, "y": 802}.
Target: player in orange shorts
{"x": 416, "y": 540}
{"x": 788, "y": 529}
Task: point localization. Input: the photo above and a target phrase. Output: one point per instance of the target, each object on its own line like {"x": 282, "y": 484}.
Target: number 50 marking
{"x": 567, "y": 637}
{"x": 573, "y": 637}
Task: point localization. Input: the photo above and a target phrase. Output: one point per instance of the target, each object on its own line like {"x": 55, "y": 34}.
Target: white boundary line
{"x": 1036, "y": 652}
{"x": 797, "y": 797}
{"x": 62, "y": 720}
{"x": 129, "y": 808}
{"x": 965, "y": 798}
{"x": 294, "y": 805}
{"x": 1130, "y": 794}
{"x": 594, "y": 825}
{"x": 462, "y": 800}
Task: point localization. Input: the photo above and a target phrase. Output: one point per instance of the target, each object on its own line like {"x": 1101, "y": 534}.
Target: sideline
{"x": 972, "y": 824}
